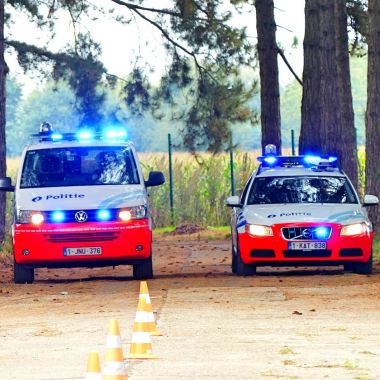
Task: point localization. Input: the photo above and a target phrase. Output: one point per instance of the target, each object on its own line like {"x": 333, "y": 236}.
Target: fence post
{"x": 293, "y": 144}
{"x": 171, "y": 180}
{"x": 232, "y": 169}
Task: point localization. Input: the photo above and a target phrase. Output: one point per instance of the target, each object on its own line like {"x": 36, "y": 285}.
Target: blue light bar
{"x": 312, "y": 160}
{"x": 104, "y": 215}
{"x": 270, "y": 160}
{"x": 115, "y": 134}
{"x": 322, "y": 232}
{"x": 56, "y": 136}
{"x": 58, "y": 216}
{"x": 333, "y": 159}
{"x": 85, "y": 135}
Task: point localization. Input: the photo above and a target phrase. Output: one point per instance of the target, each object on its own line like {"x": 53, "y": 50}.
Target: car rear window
{"x": 301, "y": 189}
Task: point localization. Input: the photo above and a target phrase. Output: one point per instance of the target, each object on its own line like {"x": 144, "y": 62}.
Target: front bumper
{"x": 120, "y": 242}
{"x": 274, "y": 250}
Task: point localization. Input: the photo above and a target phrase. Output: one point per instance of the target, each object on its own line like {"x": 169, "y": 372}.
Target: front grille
{"x": 299, "y": 253}
{"x": 82, "y": 237}
{"x": 92, "y": 216}
{"x": 304, "y": 233}
{"x": 349, "y": 252}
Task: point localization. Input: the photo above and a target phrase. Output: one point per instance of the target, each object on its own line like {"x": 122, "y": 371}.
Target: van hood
{"x": 293, "y": 213}
{"x": 80, "y": 197}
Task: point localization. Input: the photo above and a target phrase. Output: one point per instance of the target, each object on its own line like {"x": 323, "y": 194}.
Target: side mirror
{"x": 233, "y": 201}
{"x": 370, "y": 200}
{"x": 6, "y": 184}
{"x": 155, "y": 179}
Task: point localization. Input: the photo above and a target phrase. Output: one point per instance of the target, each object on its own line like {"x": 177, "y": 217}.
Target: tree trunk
{"x": 310, "y": 137}
{"x": 269, "y": 83}
{"x": 347, "y": 149}
{"x": 373, "y": 110}
{"x": 3, "y": 166}
{"x": 329, "y": 82}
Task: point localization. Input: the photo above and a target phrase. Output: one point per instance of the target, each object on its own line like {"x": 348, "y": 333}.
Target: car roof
{"x": 75, "y": 144}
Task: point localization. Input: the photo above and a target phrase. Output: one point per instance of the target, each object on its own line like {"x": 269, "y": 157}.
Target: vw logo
{"x": 306, "y": 233}
{"x": 80, "y": 216}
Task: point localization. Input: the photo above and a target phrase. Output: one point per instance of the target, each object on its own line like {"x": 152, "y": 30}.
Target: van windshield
{"x": 79, "y": 166}
{"x": 301, "y": 189}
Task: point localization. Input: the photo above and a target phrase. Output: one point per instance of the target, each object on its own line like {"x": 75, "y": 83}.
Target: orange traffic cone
{"x": 144, "y": 293}
{"x": 141, "y": 347}
{"x": 114, "y": 368}
{"x": 93, "y": 367}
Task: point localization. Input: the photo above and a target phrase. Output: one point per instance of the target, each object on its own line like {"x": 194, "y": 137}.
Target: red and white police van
{"x": 81, "y": 200}
{"x": 300, "y": 210}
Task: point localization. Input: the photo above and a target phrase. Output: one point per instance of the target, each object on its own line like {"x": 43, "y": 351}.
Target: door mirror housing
{"x": 6, "y": 184}
{"x": 233, "y": 202}
{"x": 370, "y": 200}
{"x": 155, "y": 179}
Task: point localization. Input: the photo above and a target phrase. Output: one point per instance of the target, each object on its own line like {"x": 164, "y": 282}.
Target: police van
{"x": 300, "y": 210}
{"x": 81, "y": 201}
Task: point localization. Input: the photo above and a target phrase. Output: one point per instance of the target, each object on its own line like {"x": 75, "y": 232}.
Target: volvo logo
{"x": 81, "y": 216}
{"x": 307, "y": 234}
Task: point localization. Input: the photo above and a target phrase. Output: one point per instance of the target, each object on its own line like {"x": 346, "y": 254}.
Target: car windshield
{"x": 307, "y": 189}
{"x": 79, "y": 166}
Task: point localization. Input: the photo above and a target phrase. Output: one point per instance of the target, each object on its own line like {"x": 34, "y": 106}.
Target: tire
{"x": 143, "y": 270}
{"x": 233, "y": 261}
{"x": 363, "y": 268}
{"x": 241, "y": 268}
{"x": 22, "y": 274}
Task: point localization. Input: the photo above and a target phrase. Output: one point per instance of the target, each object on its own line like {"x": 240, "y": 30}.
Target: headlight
{"x": 355, "y": 229}
{"x": 137, "y": 212}
{"x": 258, "y": 230}
{"x": 29, "y": 217}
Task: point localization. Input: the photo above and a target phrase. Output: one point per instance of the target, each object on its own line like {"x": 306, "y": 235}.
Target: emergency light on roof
{"x": 46, "y": 133}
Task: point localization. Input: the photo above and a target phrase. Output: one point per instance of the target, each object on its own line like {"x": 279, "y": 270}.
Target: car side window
{"x": 245, "y": 190}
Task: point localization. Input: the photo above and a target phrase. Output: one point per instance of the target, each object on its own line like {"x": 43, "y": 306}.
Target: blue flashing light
{"x": 58, "y": 216}
{"x": 56, "y": 136}
{"x": 270, "y": 160}
{"x": 104, "y": 215}
{"x": 322, "y": 232}
{"x": 312, "y": 160}
{"x": 116, "y": 134}
{"x": 85, "y": 135}
{"x": 333, "y": 159}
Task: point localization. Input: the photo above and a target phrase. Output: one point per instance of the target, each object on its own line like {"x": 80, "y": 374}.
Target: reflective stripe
{"x": 144, "y": 316}
{"x": 114, "y": 368}
{"x": 140, "y": 337}
{"x": 113, "y": 341}
{"x": 146, "y": 296}
{"x": 93, "y": 376}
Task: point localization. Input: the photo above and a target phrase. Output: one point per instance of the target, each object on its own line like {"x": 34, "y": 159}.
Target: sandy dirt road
{"x": 279, "y": 324}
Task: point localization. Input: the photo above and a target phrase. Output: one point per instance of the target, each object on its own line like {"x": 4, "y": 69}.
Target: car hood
{"x": 80, "y": 197}
{"x": 294, "y": 213}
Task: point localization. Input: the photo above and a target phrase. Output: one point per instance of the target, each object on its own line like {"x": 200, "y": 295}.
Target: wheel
{"x": 22, "y": 274}
{"x": 143, "y": 270}
{"x": 363, "y": 268}
{"x": 241, "y": 268}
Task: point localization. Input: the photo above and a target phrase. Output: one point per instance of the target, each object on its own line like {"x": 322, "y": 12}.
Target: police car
{"x": 81, "y": 200}
{"x": 300, "y": 210}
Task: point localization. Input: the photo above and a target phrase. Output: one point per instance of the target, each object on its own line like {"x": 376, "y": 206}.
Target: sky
{"x": 122, "y": 43}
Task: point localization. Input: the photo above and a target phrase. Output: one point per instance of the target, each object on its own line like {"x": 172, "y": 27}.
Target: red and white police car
{"x": 300, "y": 210}
{"x": 81, "y": 200}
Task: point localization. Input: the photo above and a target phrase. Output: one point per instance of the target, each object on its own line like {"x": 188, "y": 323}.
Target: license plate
{"x": 83, "y": 251}
{"x": 307, "y": 245}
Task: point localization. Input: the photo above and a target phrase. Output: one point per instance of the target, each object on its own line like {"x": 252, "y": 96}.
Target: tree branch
{"x": 135, "y": 7}
{"x": 289, "y": 66}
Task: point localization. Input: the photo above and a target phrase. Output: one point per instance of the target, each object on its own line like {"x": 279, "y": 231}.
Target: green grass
{"x": 376, "y": 247}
